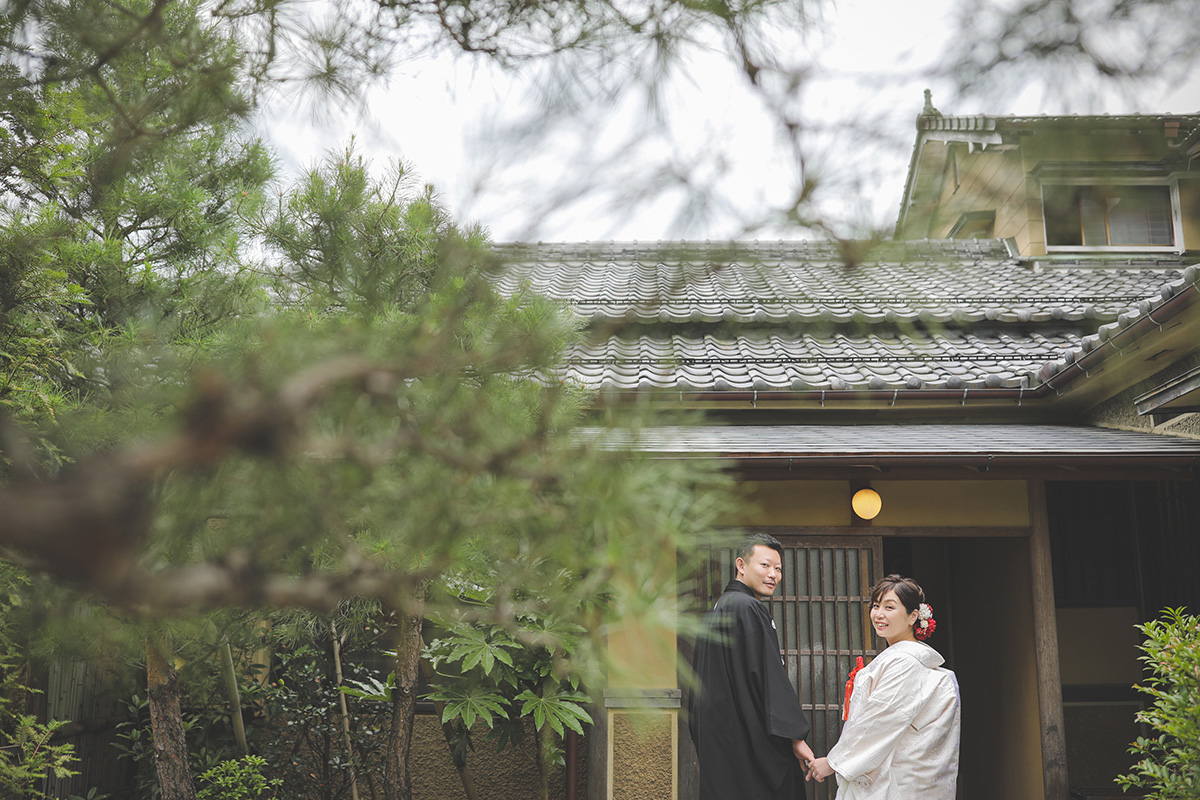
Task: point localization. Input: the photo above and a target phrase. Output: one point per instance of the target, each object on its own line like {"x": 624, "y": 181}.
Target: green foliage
{"x": 501, "y": 675}
{"x": 347, "y": 239}
{"x": 92, "y": 794}
{"x": 1170, "y": 761}
{"x": 556, "y": 708}
{"x": 470, "y": 702}
{"x": 122, "y": 182}
{"x": 27, "y": 756}
{"x": 14, "y": 607}
{"x": 372, "y": 688}
{"x": 296, "y": 724}
{"x": 238, "y": 779}
{"x": 398, "y": 426}
{"x": 205, "y": 724}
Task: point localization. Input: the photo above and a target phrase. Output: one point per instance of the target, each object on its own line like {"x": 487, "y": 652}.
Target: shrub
{"x": 238, "y": 779}
{"x": 1170, "y": 762}
{"x": 28, "y": 756}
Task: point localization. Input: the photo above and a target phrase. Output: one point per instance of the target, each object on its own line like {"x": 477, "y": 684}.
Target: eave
{"x": 1182, "y": 394}
{"x": 994, "y": 452}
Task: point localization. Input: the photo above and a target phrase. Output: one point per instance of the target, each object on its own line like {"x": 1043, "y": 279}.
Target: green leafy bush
{"x": 28, "y": 756}
{"x": 500, "y": 676}
{"x": 210, "y": 742}
{"x": 1170, "y": 761}
{"x": 236, "y": 779}
{"x": 297, "y": 725}
{"x": 27, "y": 752}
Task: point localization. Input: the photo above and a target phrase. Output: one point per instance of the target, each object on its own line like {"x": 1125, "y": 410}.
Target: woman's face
{"x": 891, "y": 620}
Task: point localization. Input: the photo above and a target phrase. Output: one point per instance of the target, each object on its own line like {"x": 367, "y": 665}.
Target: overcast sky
{"x": 448, "y": 118}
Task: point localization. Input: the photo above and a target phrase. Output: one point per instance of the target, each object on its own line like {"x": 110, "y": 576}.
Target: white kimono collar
{"x": 920, "y": 651}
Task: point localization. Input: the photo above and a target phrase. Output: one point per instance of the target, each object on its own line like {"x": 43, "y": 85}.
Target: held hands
{"x": 818, "y": 770}
{"x": 803, "y": 752}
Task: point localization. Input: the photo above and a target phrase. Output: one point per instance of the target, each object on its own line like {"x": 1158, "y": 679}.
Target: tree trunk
{"x": 166, "y": 721}
{"x": 464, "y": 774}
{"x": 397, "y": 782}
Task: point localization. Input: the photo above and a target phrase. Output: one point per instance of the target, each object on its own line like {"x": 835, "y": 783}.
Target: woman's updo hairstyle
{"x": 907, "y": 590}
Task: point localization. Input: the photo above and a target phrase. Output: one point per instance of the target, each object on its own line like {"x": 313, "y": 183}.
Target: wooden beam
{"x": 1064, "y": 472}
{"x": 1045, "y": 632}
{"x": 916, "y": 531}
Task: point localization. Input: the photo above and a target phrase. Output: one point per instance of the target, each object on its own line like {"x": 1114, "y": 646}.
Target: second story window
{"x": 1108, "y": 216}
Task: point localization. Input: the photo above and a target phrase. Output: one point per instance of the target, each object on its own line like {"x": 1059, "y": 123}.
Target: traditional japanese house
{"x": 1016, "y": 377}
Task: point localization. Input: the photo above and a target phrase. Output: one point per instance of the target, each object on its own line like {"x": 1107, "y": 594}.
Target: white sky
{"x": 444, "y": 118}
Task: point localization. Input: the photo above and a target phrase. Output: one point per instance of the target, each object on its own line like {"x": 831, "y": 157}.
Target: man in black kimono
{"x": 744, "y": 715}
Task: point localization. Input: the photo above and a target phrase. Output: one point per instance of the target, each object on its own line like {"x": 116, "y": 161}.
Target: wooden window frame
{"x": 1115, "y": 184}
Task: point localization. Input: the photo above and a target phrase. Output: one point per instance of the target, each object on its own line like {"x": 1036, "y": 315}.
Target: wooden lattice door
{"x": 821, "y": 614}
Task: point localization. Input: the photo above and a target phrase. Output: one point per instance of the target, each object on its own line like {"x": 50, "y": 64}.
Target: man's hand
{"x": 803, "y": 752}
{"x": 818, "y": 770}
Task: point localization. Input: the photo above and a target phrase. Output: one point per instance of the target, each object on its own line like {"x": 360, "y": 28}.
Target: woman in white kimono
{"x": 900, "y": 741}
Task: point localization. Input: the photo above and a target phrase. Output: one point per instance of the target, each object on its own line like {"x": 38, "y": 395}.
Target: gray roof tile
{"x": 776, "y": 362}
{"x": 789, "y": 315}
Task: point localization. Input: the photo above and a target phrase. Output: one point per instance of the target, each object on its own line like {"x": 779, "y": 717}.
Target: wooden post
{"x": 1045, "y": 631}
{"x": 347, "y": 742}
{"x": 234, "y": 694}
{"x": 597, "y": 750}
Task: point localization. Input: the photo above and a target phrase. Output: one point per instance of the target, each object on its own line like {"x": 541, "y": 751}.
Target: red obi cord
{"x": 850, "y": 689}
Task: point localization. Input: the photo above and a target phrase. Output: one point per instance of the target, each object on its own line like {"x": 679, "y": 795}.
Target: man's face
{"x": 762, "y": 572}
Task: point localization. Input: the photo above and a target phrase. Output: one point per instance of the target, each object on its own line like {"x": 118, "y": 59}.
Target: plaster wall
{"x": 510, "y": 774}
{"x": 1120, "y": 412}
{"x": 1031, "y": 234}
{"x": 643, "y": 649}
{"x": 786, "y": 503}
{"x": 643, "y": 655}
{"x": 905, "y": 503}
{"x": 990, "y": 180}
{"x": 952, "y": 503}
{"x": 643, "y": 755}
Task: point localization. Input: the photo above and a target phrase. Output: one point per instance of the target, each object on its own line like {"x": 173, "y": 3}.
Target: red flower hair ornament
{"x": 925, "y": 625}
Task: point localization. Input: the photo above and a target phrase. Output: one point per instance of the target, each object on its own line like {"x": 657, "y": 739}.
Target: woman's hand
{"x": 818, "y": 770}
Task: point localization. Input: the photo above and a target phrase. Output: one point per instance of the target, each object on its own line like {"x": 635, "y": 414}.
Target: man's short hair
{"x": 746, "y": 548}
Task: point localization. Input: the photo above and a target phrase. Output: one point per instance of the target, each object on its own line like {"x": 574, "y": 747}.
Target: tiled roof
{"x": 789, "y": 316}
{"x": 770, "y": 361}
{"x": 833, "y": 443}
{"x": 808, "y": 282}
{"x": 1109, "y": 333}
{"x": 982, "y": 122}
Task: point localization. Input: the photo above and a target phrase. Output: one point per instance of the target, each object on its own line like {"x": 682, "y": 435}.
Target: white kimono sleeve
{"x": 881, "y": 712}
